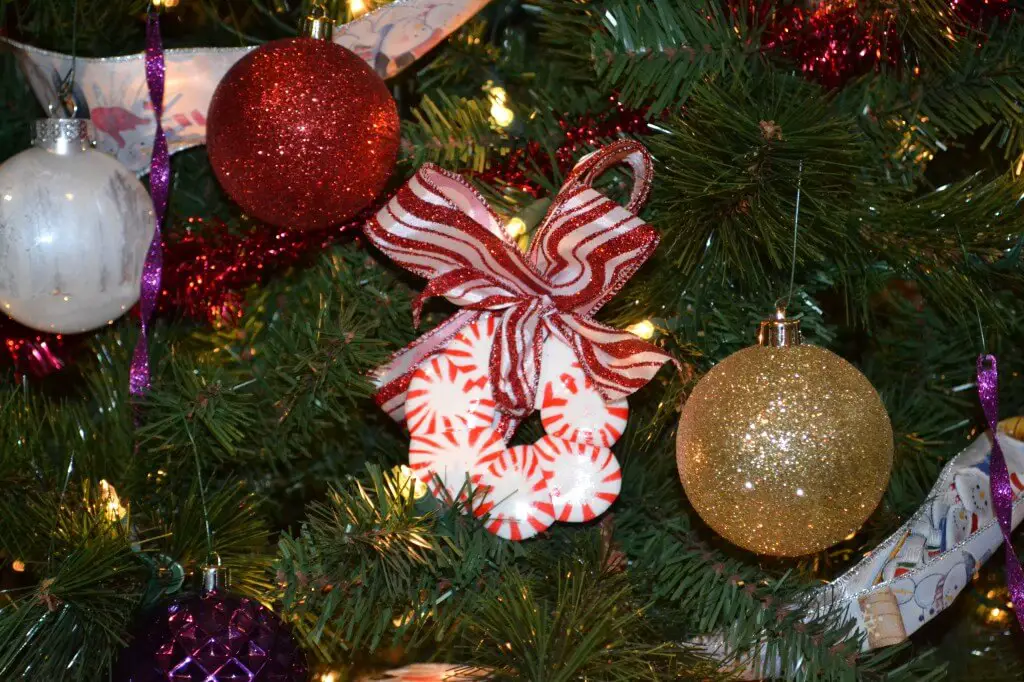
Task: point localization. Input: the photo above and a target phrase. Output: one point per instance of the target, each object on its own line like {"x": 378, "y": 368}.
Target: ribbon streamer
{"x": 1002, "y": 491}
{"x": 159, "y": 186}
{"x": 585, "y": 250}
{"x": 111, "y": 91}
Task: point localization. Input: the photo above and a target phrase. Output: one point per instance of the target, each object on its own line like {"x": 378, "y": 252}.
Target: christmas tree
{"x": 856, "y": 163}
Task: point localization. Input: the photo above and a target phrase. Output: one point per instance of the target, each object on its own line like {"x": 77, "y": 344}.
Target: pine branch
{"x": 179, "y": 522}
{"x": 981, "y": 90}
{"x": 657, "y": 52}
{"x": 72, "y": 623}
{"x": 586, "y": 629}
{"x": 458, "y": 133}
{"x": 373, "y": 566}
{"x": 728, "y": 174}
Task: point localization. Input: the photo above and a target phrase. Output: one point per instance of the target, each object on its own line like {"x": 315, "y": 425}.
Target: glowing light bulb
{"x": 500, "y": 114}
{"x": 18, "y": 566}
{"x": 516, "y": 228}
{"x": 113, "y": 510}
{"x": 356, "y": 7}
{"x": 408, "y": 483}
{"x": 644, "y": 329}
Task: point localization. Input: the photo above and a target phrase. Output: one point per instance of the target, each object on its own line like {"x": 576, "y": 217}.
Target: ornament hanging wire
{"x": 977, "y": 310}
{"x": 211, "y": 556}
{"x": 782, "y": 304}
{"x": 66, "y": 105}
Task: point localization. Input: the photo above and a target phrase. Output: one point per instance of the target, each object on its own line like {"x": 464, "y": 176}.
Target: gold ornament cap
{"x": 779, "y": 331}
{"x": 317, "y": 24}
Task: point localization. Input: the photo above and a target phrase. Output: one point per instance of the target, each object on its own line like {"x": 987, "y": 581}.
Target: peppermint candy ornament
{"x": 583, "y": 480}
{"x": 451, "y": 390}
{"x": 445, "y": 460}
{"x": 525, "y": 339}
{"x": 570, "y": 407}
{"x": 511, "y": 493}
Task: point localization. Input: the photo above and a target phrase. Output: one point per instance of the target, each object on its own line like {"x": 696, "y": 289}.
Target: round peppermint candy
{"x": 445, "y": 460}
{"x": 451, "y": 390}
{"x": 583, "y": 480}
{"x": 570, "y": 406}
{"x": 509, "y": 489}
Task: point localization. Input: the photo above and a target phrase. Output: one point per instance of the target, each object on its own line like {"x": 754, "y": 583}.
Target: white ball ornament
{"x": 75, "y": 226}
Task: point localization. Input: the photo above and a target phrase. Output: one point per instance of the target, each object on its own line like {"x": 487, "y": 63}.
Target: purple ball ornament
{"x": 212, "y": 636}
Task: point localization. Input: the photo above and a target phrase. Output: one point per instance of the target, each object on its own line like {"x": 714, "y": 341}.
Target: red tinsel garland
{"x": 835, "y": 40}
{"x": 208, "y": 266}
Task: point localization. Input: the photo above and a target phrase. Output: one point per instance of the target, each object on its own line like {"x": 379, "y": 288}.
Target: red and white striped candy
{"x": 451, "y": 390}
{"x": 583, "y": 480}
{"x": 510, "y": 489}
{"x": 570, "y": 406}
{"x": 450, "y": 456}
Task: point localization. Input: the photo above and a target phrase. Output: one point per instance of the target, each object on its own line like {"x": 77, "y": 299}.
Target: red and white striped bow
{"x": 587, "y": 247}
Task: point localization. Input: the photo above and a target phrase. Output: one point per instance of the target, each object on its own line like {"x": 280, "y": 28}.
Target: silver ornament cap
{"x": 213, "y": 576}
{"x": 63, "y": 136}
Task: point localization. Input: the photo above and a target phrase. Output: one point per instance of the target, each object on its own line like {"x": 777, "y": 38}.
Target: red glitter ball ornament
{"x": 302, "y": 133}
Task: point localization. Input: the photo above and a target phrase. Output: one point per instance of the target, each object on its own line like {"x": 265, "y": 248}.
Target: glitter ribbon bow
{"x": 587, "y": 247}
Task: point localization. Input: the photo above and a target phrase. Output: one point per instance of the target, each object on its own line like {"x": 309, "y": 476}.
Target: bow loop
{"x": 587, "y": 247}
{"x": 596, "y": 163}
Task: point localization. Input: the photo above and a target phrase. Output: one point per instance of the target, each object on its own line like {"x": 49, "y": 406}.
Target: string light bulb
{"x": 113, "y": 510}
{"x": 408, "y": 484}
{"x": 644, "y": 329}
{"x": 516, "y": 228}
{"x": 356, "y": 7}
{"x": 18, "y": 566}
{"x": 500, "y": 113}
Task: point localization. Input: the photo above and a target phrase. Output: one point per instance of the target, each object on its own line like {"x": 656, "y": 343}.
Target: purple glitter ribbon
{"x": 1002, "y": 492}
{"x": 159, "y": 185}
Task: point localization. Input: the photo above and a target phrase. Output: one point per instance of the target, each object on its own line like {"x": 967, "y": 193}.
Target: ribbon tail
{"x": 1001, "y": 488}
{"x": 619, "y": 363}
{"x": 393, "y": 377}
{"x": 516, "y": 357}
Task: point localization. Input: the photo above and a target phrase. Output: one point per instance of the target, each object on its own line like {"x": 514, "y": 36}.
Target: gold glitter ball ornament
{"x": 784, "y": 448}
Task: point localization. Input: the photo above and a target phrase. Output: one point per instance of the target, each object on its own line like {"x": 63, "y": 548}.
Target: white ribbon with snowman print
{"x": 112, "y": 90}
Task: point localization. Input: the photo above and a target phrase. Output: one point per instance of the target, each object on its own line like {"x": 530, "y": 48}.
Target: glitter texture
{"x": 209, "y": 265}
{"x": 784, "y": 451}
{"x": 302, "y": 133}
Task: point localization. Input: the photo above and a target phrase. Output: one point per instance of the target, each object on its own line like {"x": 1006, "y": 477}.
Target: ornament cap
{"x": 317, "y": 24}
{"x": 213, "y": 576}
{"x": 63, "y": 136}
{"x": 779, "y": 331}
